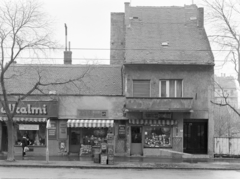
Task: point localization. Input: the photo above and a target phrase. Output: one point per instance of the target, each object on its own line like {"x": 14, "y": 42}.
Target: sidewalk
{"x": 123, "y": 163}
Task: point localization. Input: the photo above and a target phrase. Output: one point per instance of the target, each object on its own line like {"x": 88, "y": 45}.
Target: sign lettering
{"x": 27, "y": 110}
{"x": 32, "y": 109}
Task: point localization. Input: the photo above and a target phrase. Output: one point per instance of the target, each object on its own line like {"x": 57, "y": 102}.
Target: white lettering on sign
{"x": 27, "y": 110}
{"x": 29, "y": 127}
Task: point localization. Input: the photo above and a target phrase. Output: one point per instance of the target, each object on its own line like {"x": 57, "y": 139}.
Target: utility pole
{"x": 47, "y": 150}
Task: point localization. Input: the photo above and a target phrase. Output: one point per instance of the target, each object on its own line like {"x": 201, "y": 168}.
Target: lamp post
{"x": 47, "y": 151}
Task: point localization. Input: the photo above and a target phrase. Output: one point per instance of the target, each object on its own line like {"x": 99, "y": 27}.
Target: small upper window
{"x": 141, "y": 88}
{"x": 170, "y": 88}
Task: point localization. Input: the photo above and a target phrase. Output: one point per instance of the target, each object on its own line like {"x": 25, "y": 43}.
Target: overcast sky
{"x": 88, "y": 23}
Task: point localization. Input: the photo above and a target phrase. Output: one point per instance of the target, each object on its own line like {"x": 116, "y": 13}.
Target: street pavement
{"x": 122, "y": 163}
{"x": 75, "y": 173}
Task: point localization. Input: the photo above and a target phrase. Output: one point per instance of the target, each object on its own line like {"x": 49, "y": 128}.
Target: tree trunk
{"x": 10, "y": 132}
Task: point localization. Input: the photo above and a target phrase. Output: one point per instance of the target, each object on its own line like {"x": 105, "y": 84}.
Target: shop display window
{"x": 36, "y": 137}
{"x": 158, "y": 136}
{"x": 92, "y": 137}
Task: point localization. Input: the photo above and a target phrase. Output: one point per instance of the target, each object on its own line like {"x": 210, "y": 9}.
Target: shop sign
{"x": 93, "y": 114}
{"x": 121, "y": 130}
{"x": 62, "y": 130}
{"x": 29, "y": 127}
{"x": 32, "y": 109}
{"x": 52, "y": 132}
{"x": 157, "y": 115}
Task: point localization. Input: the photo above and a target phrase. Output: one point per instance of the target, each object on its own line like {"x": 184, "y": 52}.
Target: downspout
{"x": 122, "y": 78}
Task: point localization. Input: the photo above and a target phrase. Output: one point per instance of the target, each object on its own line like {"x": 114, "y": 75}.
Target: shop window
{"x": 141, "y": 88}
{"x": 170, "y": 88}
{"x": 157, "y": 136}
{"x": 92, "y": 137}
{"x": 36, "y": 133}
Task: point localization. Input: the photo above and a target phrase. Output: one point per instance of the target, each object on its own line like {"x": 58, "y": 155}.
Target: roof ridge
{"x": 65, "y": 66}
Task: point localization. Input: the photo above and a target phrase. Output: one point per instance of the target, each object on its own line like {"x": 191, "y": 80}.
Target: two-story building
{"x": 168, "y": 72}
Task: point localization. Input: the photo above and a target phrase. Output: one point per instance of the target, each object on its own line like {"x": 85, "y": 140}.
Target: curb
{"x": 163, "y": 167}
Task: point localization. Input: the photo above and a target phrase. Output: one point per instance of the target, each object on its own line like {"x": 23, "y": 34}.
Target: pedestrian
{"x": 24, "y": 145}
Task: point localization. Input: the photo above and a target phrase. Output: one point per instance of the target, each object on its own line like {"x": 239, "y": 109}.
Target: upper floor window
{"x": 170, "y": 88}
{"x": 141, "y": 88}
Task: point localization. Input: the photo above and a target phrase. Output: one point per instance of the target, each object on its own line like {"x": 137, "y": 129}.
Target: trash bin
{"x": 96, "y": 154}
{"x": 110, "y": 159}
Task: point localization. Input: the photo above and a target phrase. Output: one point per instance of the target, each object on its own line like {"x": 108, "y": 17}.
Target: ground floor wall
{"x": 176, "y": 150}
{"x": 59, "y": 138}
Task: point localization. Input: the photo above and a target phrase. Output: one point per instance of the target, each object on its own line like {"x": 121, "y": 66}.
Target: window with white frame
{"x": 170, "y": 88}
{"x": 141, "y": 88}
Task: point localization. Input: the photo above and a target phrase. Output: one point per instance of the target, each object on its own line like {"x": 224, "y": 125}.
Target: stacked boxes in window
{"x": 110, "y": 154}
{"x": 104, "y": 159}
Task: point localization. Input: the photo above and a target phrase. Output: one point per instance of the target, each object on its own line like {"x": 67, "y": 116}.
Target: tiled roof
{"x": 97, "y": 80}
{"x": 150, "y": 27}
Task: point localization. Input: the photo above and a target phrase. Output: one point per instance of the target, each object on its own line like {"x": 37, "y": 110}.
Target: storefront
{"x": 91, "y": 120}
{"x": 156, "y": 125}
{"x": 30, "y": 120}
{"x": 84, "y": 135}
{"x": 151, "y": 133}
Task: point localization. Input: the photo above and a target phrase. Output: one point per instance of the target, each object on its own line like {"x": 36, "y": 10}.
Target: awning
{"x": 89, "y": 123}
{"x": 161, "y": 122}
{"x": 25, "y": 119}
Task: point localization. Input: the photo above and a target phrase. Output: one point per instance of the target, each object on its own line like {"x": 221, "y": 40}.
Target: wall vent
{"x": 193, "y": 18}
{"x": 165, "y": 43}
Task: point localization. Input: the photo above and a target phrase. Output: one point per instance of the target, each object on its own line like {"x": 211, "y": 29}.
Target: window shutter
{"x": 141, "y": 88}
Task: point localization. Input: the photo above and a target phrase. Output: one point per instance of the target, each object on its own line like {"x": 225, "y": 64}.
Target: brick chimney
{"x": 68, "y": 57}
{"x": 200, "y": 17}
{"x": 67, "y": 52}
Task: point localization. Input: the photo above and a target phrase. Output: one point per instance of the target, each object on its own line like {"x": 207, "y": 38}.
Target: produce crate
{"x": 104, "y": 159}
{"x": 110, "y": 159}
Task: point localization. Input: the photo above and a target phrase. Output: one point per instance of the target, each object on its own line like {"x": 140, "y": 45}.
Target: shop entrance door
{"x": 74, "y": 142}
{"x": 195, "y": 136}
{"x": 136, "y": 141}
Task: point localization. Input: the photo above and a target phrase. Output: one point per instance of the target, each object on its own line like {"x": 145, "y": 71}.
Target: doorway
{"x": 74, "y": 142}
{"x": 136, "y": 140}
{"x": 195, "y": 136}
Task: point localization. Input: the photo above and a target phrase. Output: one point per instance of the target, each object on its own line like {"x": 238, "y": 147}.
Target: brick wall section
{"x": 117, "y": 38}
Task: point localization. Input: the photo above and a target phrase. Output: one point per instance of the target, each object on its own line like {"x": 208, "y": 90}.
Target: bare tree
{"x": 23, "y": 30}
{"x": 223, "y": 19}
{"x": 224, "y": 102}
{"x": 226, "y": 122}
